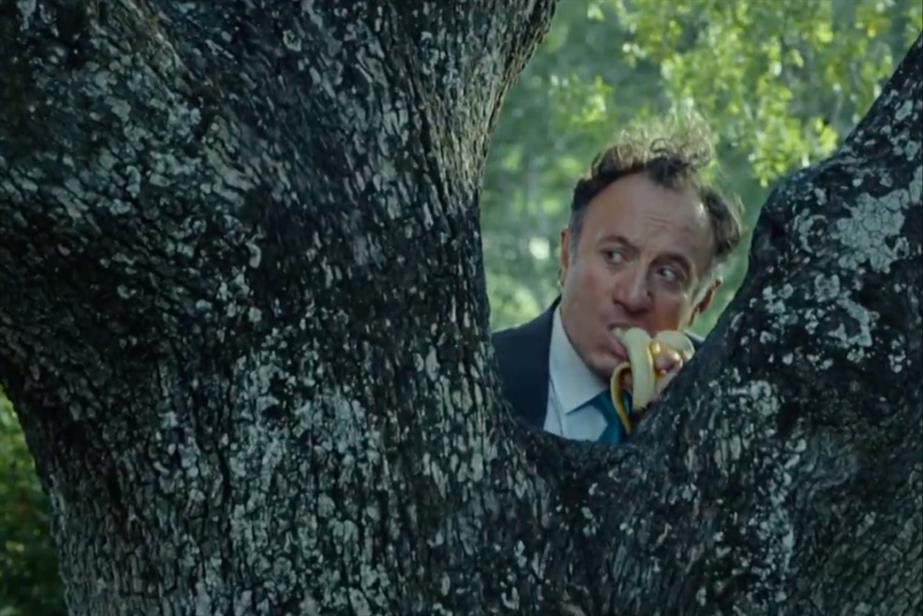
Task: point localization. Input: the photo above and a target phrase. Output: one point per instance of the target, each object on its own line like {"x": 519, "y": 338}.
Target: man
{"x": 643, "y": 248}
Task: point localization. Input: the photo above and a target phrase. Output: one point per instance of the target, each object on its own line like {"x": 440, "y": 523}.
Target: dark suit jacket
{"x": 522, "y": 357}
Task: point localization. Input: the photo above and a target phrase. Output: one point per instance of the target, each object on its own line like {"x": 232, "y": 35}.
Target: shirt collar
{"x": 574, "y": 383}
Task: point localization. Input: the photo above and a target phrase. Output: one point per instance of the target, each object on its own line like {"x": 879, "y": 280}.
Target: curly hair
{"x": 672, "y": 158}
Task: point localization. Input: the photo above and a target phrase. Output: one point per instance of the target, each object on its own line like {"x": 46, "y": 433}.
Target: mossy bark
{"x": 244, "y": 324}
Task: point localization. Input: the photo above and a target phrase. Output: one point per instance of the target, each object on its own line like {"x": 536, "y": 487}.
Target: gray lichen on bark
{"x": 248, "y": 338}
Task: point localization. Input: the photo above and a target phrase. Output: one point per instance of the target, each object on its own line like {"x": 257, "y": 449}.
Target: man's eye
{"x": 670, "y": 274}
{"x": 614, "y": 257}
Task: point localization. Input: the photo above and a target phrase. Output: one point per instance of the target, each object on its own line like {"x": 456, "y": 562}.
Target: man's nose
{"x": 631, "y": 290}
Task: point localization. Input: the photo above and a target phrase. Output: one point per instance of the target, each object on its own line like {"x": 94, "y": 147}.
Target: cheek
{"x": 593, "y": 278}
{"x": 669, "y": 311}
{"x": 580, "y": 279}
{"x": 592, "y": 295}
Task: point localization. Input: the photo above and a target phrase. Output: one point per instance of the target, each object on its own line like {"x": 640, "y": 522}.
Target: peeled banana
{"x": 641, "y": 350}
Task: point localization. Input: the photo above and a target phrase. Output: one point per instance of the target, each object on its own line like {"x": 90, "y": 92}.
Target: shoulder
{"x": 521, "y": 355}
{"x": 525, "y": 338}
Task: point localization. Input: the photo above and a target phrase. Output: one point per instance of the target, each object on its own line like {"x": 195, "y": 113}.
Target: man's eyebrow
{"x": 618, "y": 239}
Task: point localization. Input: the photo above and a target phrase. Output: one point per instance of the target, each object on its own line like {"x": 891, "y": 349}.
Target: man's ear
{"x": 564, "y": 255}
{"x": 704, "y": 301}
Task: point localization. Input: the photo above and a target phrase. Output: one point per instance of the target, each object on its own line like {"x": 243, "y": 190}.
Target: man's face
{"x": 640, "y": 260}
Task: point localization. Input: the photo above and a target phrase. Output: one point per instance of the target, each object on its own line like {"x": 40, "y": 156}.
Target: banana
{"x": 641, "y": 350}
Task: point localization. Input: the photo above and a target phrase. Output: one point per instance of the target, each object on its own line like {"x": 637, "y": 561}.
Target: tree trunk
{"x": 244, "y": 324}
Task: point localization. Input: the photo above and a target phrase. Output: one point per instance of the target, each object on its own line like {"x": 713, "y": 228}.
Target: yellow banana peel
{"x": 642, "y": 348}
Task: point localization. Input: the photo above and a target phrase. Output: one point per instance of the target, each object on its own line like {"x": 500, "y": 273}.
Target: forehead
{"x": 653, "y": 218}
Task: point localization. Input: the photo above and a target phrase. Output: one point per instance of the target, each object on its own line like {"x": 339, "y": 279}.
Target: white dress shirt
{"x": 571, "y": 386}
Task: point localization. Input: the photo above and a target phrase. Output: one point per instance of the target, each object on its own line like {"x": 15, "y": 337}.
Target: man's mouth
{"x": 616, "y": 346}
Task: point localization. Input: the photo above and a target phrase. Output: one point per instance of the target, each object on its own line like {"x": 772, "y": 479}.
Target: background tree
{"x": 28, "y": 567}
{"x": 781, "y": 83}
{"x": 198, "y": 387}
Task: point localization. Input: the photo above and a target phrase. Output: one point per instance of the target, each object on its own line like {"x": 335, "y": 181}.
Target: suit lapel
{"x": 523, "y": 358}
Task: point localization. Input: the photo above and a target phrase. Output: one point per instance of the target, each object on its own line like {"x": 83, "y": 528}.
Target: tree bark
{"x": 244, "y": 324}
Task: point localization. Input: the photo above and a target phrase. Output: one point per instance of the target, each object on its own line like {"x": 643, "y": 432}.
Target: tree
{"x": 250, "y": 348}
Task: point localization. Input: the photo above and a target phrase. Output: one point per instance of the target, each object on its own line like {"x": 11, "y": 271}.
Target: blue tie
{"x": 614, "y": 432}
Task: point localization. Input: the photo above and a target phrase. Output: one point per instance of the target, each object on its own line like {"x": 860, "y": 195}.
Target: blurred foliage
{"x": 780, "y": 83}
{"x": 29, "y": 584}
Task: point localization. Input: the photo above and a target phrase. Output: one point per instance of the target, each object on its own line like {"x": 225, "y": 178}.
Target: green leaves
{"x": 781, "y": 83}
{"x": 29, "y": 584}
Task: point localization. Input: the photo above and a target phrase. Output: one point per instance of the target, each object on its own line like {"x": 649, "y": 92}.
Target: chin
{"x": 604, "y": 369}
